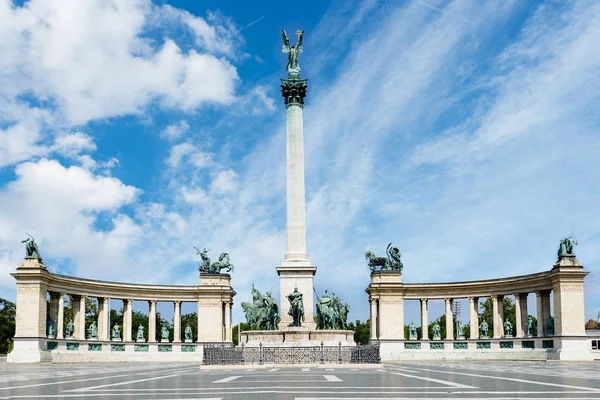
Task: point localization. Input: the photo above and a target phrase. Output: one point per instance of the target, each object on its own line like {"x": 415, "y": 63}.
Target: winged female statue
{"x": 293, "y": 66}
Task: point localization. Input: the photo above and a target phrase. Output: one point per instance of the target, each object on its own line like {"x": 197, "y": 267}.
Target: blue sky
{"x": 467, "y": 133}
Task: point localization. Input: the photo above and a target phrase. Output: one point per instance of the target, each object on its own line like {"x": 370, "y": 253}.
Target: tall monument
{"x": 296, "y": 271}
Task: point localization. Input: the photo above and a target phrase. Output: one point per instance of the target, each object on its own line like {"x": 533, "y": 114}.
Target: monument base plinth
{"x": 297, "y": 338}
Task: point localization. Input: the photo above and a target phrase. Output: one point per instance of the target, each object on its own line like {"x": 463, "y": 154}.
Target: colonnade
{"x": 543, "y": 314}
{"x": 56, "y": 314}
{"x": 562, "y": 285}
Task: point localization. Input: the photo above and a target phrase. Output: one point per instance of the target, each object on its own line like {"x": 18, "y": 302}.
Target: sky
{"x": 467, "y": 133}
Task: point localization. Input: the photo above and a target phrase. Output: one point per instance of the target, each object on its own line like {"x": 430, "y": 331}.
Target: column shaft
{"x": 539, "y": 303}
{"x": 449, "y": 320}
{"x": 473, "y": 317}
{"x": 152, "y": 321}
{"x": 227, "y": 336}
{"x": 177, "y": 322}
{"x": 82, "y": 332}
{"x": 129, "y": 318}
{"x": 524, "y": 313}
{"x": 545, "y": 294}
{"x": 296, "y": 219}
{"x": 424, "y": 320}
{"x": 373, "y": 319}
{"x": 498, "y": 316}
{"x": 198, "y": 329}
{"x": 60, "y": 323}
{"x": 518, "y": 318}
{"x": 106, "y": 320}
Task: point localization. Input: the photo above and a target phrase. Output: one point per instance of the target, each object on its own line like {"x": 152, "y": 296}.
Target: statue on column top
{"x": 567, "y": 247}
{"x": 31, "y": 248}
{"x": 293, "y": 66}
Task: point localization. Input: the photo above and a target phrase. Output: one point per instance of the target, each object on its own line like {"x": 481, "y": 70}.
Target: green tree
{"x": 362, "y": 331}
{"x": 8, "y": 313}
{"x": 509, "y": 312}
{"x": 234, "y": 336}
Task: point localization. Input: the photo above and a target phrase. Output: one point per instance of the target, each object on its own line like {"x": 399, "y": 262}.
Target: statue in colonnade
{"x": 164, "y": 334}
{"x": 436, "y": 331}
{"x": 507, "y": 329}
{"x": 93, "y": 331}
{"x": 188, "y": 333}
{"x": 483, "y": 330}
{"x": 116, "y": 332}
{"x": 140, "y": 334}
{"x": 69, "y": 330}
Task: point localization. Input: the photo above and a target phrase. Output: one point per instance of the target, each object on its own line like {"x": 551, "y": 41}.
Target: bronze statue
{"x": 205, "y": 266}
{"x": 296, "y": 307}
{"x": 31, "y": 248}
{"x": 392, "y": 262}
{"x": 293, "y": 66}
{"x": 263, "y": 312}
{"x": 567, "y": 247}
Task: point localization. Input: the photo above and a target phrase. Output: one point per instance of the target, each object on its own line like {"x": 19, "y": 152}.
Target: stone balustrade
{"x": 214, "y": 299}
{"x": 563, "y": 284}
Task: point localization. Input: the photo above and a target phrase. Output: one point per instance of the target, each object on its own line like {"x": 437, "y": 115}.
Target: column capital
{"x": 152, "y": 301}
{"x": 177, "y": 301}
{"x": 424, "y": 300}
{"x": 293, "y": 91}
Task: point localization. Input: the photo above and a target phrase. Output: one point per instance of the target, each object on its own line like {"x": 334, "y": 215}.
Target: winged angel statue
{"x": 293, "y": 67}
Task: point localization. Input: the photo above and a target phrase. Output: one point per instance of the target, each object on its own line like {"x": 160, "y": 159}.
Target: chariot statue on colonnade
{"x": 205, "y": 267}
{"x": 391, "y": 263}
{"x": 31, "y": 247}
{"x": 567, "y": 247}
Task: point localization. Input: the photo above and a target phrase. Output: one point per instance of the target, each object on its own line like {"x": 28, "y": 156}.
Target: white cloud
{"x": 178, "y": 152}
{"x": 224, "y": 182}
{"x": 175, "y": 131}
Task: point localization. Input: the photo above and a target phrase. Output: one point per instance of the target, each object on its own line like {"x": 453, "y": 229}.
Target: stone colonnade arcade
{"x": 387, "y": 294}
{"x": 214, "y": 298}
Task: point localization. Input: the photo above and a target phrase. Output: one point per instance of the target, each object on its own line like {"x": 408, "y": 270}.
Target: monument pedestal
{"x": 297, "y": 337}
{"x": 301, "y": 277}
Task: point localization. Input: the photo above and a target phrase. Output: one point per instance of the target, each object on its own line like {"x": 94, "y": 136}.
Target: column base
{"x": 28, "y": 351}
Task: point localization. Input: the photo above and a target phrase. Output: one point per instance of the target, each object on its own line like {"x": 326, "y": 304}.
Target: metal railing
{"x": 223, "y": 355}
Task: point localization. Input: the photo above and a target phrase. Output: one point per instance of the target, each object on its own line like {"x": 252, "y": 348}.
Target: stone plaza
{"x": 408, "y": 380}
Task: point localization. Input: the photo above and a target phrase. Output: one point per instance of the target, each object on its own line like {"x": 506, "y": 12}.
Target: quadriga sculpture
{"x": 392, "y": 262}
{"x": 205, "y": 267}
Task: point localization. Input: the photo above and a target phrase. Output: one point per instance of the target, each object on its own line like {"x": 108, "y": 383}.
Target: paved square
{"x": 410, "y": 380}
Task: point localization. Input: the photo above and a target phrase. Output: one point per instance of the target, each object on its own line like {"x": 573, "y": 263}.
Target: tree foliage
{"x": 509, "y": 312}
{"x": 8, "y": 313}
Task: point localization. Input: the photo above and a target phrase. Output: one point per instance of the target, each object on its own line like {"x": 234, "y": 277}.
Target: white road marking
{"x": 305, "y": 369}
{"x": 154, "y": 378}
{"x": 453, "y": 384}
{"x": 332, "y": 378}
{"x": 273, "y": 370}
{"x": 86, "y": 379}
{"x": 328, "y": 369}
{"x": 228, "y": 379}
{"x": 513, "y": 379}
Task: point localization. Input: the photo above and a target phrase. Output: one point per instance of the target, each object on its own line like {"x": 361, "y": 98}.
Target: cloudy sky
{"x": 465, "y": 132}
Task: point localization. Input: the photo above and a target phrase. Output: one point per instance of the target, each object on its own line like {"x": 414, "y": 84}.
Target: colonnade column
{"x": 424, "y": 320}
{"x": 61, "y": 317}
{"x": 524, "y": 313}
{"x": 177, "y": 322}
{"x": 127, "y": 320}
{"x": 545, "y": 294}
{"x": 373, "y": 319}
{"x": 103, "y": 318}
{"x": 82, "y": 318}
{"x": 53, "y": 311}
{"x": 227, "y": 324}
{"x": 498, "y": 316}
{"x": 473, "y": 317}
{"x": 198, "y": 324}
{"x": 518, "y": 318}
{"x": 152, "y": 321}
{"x": 449, "y": 320}
{"x": 539, "y": 306}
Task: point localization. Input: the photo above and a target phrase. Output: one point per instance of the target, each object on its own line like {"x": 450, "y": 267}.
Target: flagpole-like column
{"x": 296, "y": 269}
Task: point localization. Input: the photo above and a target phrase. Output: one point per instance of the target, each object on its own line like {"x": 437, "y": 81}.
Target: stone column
{"x": 449, "y": 320}
{"x": 53, "y": 309}
{"x": 128, "y": 320}
{"x": 60, "y": 323}
{"x": 198, "y": 327}
{"x": 524, "y": 313}
{"x": 227, "y": 325}
{"x": 294, "y": 91}
{"x": 152, "y": 321}
{"x": 498, "y": 316}
{"x": 474, "y": 318}
{"x": 424, "y": 320}
{"x": 539, "y": 313}
{"x": 373, "y": 319}
{"x": 82, "y": 332}
{"x": 545, "y": 294}
{"x": 518, "y": 332}
{"x": 177, "y": 322}
{"x": 103, "y": 318}
{"x": 76, "y": 316}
